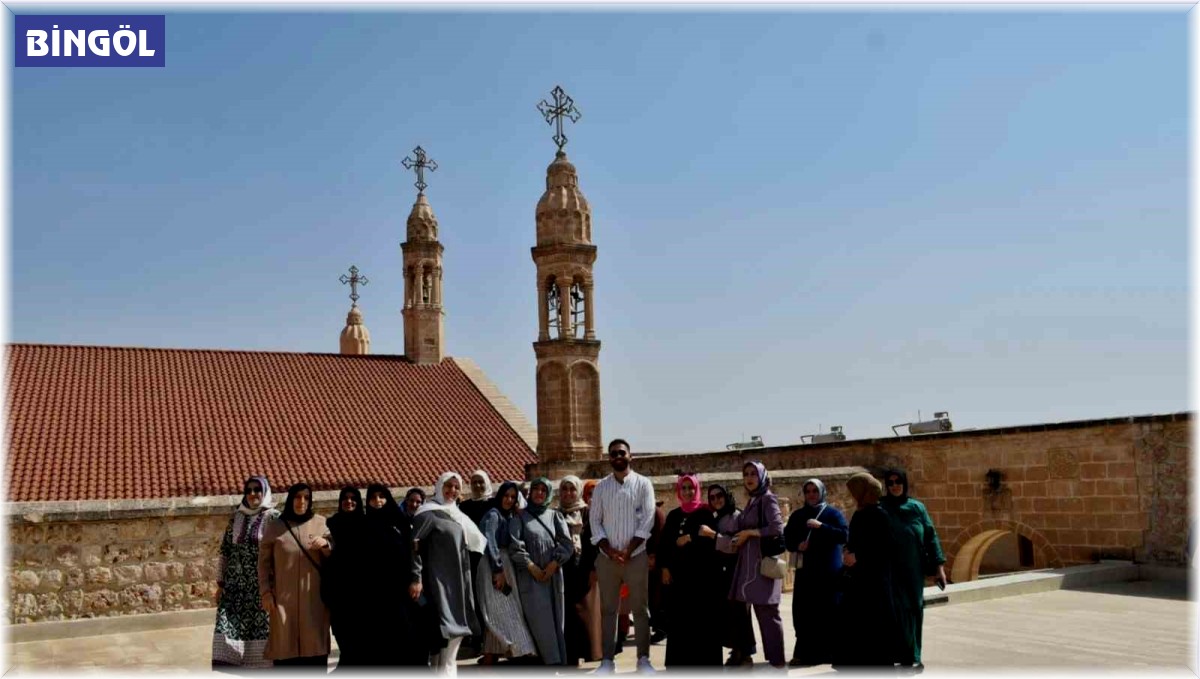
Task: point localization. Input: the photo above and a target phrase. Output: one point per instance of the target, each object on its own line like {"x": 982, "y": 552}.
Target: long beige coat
{"x": 300, "y": 621}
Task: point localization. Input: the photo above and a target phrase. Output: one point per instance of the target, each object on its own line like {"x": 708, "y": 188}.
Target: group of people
{"x": 546, "y": 575}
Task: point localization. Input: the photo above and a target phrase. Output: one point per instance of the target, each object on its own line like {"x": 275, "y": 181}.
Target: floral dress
{"x": 240, "y": 633}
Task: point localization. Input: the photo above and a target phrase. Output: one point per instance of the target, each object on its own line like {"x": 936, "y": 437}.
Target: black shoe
{"x": 658, "y": 636}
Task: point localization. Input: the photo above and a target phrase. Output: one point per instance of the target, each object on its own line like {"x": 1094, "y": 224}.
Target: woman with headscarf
{"x": 413, "y": 499}
{"x": 242, "y": 626}
{"x": 816, "y": 531}
{"x": 761, "y": 519}
{"x": 341, "y": 583}
{"x": 382, "y": 551}
{"x": 918, "y": 554}
{"x": 737, "y": 632}
{"x": 474, "y": 507}
{"x": 541, "y": 544}
{"x": 575, "y": 571}
{"x": 867, "y": 606}
{"x": 481, "y": 496}
{"x": 443, "y": 539}
{"x": 690, "y": 566}
{"x": 496, "y": 584}
{"x": 289, "y": 576}
{"x": 590, "y": 609}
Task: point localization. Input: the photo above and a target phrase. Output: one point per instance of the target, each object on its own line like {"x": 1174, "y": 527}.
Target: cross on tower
{"x": 563, "y": 107}
{"x": 354, "y": 280}
{"x": 420, "y": 164}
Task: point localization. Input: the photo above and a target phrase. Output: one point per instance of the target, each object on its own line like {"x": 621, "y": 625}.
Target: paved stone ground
{"x": 1131, "y": 626}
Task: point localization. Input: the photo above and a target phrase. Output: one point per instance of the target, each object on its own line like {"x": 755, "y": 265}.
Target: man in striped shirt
{"x": 622, "y": 513}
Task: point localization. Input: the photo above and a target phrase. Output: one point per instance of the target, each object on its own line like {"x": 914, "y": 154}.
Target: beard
{"x": 619, "y": 464}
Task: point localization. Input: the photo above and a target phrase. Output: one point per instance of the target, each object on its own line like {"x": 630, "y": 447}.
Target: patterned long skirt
{"x": 503, "y": 617}
{"x": 240, "y": 633}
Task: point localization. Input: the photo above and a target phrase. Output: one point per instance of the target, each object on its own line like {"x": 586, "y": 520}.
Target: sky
{"x": 803, "y": 218}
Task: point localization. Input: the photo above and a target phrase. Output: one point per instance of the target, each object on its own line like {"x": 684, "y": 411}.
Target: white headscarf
{"x": 266, "y": 497}
{"x": 474, "y": 538}
{"x": 487, "y": 485}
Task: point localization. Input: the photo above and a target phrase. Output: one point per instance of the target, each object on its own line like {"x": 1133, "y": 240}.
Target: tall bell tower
{"x": 568, "y": 374}
{"x": 424, "y": 327}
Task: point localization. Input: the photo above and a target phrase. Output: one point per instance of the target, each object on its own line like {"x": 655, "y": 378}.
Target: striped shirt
{"x": 621, "y": 511}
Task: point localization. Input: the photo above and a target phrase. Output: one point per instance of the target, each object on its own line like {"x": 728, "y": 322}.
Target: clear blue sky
{"x": 803, "y": 218}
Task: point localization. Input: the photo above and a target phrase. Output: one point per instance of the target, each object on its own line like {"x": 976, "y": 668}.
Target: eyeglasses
{"x": 714, "y": 498}
{"x": 894, "y": 482}
{"x": 254, "y": 489}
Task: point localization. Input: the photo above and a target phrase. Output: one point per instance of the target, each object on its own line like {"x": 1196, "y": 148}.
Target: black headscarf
{"x": 500, "y": 492}
{"x": 888, "y": 498}
{"x": 730, "y": 505}
{"x": 289, "y": 513}
{"x": 343, "y": 520}
{"x": 389, "y": 512}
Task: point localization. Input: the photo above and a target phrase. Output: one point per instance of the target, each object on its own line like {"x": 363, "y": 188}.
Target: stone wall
{"x": 91, "y": 559}
{"x": 1080, "y": 491}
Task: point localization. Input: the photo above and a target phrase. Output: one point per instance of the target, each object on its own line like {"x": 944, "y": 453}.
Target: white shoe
{"x": 644, "y": 666}
{"x": 606, "y": 667}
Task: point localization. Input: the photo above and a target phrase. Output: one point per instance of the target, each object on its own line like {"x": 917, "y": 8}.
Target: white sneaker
{"x": 606, "y": 667}
{"x": 644, "y": 666}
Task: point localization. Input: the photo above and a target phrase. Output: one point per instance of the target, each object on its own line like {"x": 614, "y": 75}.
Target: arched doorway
{"x": 1030, "y": 549}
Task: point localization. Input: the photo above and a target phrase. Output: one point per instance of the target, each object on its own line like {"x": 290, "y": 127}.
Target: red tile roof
{"x": 92, "y": 423}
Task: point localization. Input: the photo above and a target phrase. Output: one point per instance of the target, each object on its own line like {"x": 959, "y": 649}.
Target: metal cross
{"x": 420, "y": 164}
{"x": 354, "y": 280}
{"x": 563, "y": 107}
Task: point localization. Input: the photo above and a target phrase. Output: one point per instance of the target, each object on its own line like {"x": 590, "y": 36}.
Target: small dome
{"x": 563, "y": 214}
{"x": 355, "y": 339}
{"x": 422, "y": 225}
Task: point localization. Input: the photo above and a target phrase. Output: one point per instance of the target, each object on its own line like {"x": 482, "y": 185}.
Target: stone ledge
{"x": 778, "y": 476}
{"x": 17, "y": 513}
{"x": 102, "y": 626}
{"x": 1033, "y": 582}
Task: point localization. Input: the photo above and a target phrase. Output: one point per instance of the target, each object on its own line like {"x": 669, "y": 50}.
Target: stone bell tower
{"x": 568, "y": 375}
{"x": 424, "y": 327}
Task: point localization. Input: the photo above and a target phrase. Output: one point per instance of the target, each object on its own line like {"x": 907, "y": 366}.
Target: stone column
{"x": 543, "y": 294}
{"x": 564, "y": 308}
{"x": 589, "y": 316}
{"x": 407, "y": 290}
{"x": 436, "y": 295}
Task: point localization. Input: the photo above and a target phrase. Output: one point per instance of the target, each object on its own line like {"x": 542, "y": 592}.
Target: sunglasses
{"x": 254, "y": 489}
{"x": 894, "y": 482}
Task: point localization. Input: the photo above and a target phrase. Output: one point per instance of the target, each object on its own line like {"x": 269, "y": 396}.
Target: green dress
{"x": 917, "y": 551}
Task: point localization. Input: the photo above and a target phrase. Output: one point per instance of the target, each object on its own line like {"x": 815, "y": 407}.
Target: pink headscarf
{"x": 697, "y": 502}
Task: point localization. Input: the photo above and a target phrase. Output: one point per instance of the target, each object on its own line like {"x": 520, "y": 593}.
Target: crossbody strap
{"x": 824, "y": 505}
{"x": 302, "y": 549}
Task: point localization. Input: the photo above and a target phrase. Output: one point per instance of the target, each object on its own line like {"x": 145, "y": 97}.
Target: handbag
{"x": 773, "y": 564}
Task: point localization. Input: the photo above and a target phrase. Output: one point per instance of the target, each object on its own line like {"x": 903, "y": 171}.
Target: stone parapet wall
{"x": 1081, "y": 491}
{"x": 71, "y": 560}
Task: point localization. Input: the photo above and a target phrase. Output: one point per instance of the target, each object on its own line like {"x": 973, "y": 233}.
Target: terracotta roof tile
{"x": 90, "y": 423}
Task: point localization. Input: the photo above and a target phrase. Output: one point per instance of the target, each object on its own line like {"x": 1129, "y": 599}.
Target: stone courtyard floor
{"x": 1124, "y": 627}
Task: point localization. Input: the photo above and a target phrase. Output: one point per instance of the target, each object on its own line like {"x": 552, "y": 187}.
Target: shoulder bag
{"x": 773, "y": 564}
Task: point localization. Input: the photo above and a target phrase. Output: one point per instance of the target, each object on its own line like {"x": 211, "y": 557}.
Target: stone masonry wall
{"x": 92, "y": 559}
{"x": 1080, "y": 491}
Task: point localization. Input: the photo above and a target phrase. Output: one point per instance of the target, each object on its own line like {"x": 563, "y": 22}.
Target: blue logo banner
{"x": 91, "y": 40}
